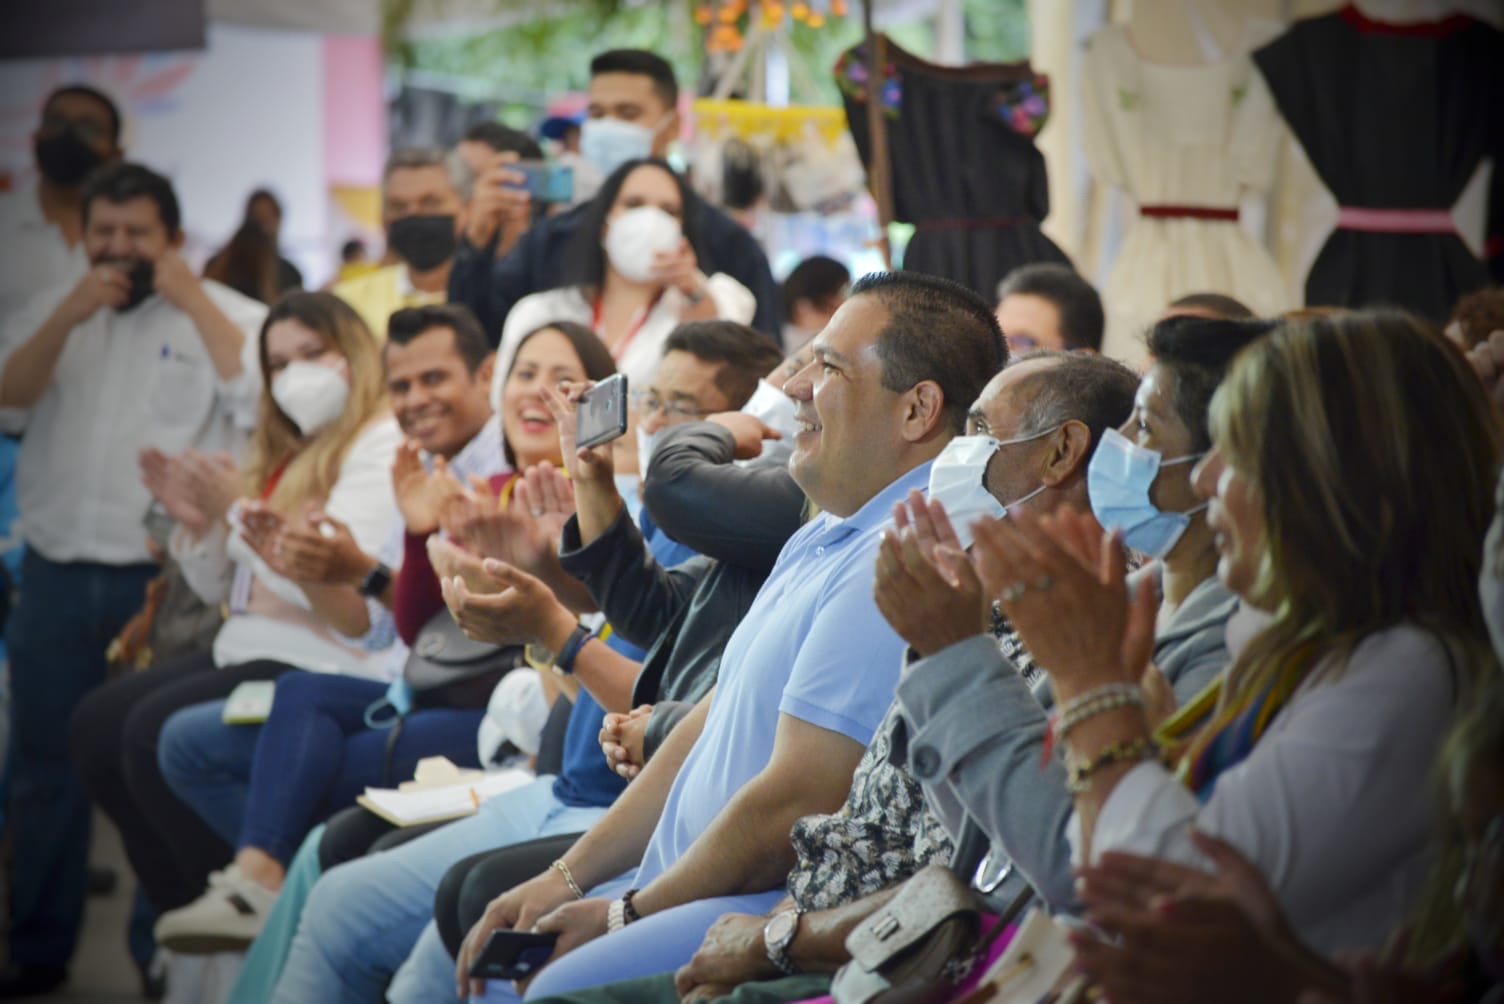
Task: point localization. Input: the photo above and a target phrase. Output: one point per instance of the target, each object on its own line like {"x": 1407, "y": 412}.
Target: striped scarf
{"x": 1203, "y": 741}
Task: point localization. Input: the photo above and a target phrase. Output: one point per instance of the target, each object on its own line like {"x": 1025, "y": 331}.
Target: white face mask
{"x": 774, "y": 408}
{"x": 645, "y": 442}
{"x": 311, "y": 395}
{"x": 958, "y": 476}
{"x": 629, "y": 487}
{"x": 634, "y": 236}
{"x": 610, "y": 143}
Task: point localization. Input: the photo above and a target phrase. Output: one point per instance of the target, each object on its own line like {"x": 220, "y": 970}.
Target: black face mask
{"x": 424, "y": 242}
{"x": 142, "y": 274}
{"x": 66, "y": 160}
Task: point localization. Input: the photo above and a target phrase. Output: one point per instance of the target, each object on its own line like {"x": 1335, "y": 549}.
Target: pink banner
{"x": 355, "y": 131}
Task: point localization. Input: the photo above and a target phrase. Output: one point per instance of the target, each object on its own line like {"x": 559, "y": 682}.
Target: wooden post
{"x": 879, "y": 170}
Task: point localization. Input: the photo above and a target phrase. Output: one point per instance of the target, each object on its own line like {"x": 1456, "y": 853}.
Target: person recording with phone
{"x": 631, "y": 115}
{"x": 138, "y": 352}
{"x": 501, "y": 203}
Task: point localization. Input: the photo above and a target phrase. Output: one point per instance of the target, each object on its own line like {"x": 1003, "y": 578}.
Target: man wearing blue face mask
{"x": 632, "y": 114}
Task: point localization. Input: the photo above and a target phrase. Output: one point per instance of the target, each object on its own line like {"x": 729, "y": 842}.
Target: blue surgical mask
{"x": 958, "y": 481}
{"x": 1118, "y": 481}
{"x": 609, "y": 143}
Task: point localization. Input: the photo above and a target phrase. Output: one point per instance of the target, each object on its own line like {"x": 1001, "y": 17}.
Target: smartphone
{"x": 513, "y": 955}
{"x": 601, "y": 415}
{"x": 546, "y": 182}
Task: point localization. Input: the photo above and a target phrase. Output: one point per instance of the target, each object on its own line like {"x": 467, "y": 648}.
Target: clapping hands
{"x": 195, "y": 488}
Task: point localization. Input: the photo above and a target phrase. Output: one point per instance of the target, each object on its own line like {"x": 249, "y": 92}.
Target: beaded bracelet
{"x": 1096, "y": 693}
{"x": 1079, "y": 777}
{"x": 563, "y": 869}
{"x": 621, "y": 912}
{"x": 1080, "y": 711}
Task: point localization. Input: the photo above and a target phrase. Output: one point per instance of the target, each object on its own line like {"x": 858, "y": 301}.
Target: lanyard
{"x": 642, "y": 318}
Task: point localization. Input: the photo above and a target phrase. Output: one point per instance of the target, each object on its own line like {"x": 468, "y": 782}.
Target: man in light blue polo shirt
{"x": 806, "y": 677}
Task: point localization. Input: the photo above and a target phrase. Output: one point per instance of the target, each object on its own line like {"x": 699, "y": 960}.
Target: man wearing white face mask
{"x": 139, "y": 353}
{"x": 632, "y": 114}
{"x": 976, "y": 734}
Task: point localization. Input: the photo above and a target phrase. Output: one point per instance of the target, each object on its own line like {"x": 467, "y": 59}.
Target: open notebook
{"x": 439, "y": 792}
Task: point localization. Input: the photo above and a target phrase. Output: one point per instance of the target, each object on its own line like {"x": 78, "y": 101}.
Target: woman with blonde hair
{"x": 1349, "y": 489}
{"x": 319, "y": 462}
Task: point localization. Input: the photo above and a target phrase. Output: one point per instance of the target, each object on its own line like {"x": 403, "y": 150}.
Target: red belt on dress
{"x": 1171, "y": 212}
{"x": 1396, "y": 221}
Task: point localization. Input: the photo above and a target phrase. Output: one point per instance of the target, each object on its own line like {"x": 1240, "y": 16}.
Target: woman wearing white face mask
{"x": 634, "y": 274}
{"x": 319, "y": 464}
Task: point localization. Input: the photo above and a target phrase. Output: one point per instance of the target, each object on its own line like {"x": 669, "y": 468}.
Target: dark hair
{"x": 585, "y": 259}
{"x": 409, "y": 323}
{"x": 643, "y": 64}
{"x": 85, "y": 91}
{"x": 1217, "y": 304}
{"x": 747, "y": 354}
{"x": 594, "y": 357}
{"x": 262, "y": 193}
{"x": 123, "y": 181}
{"x": 1198, "y": 351}
{"x": 351, "y": 248}
{"x": 248, "y": 264}
{"x": 936, "y": 330}
{"x": 504, "y": 139}
{"x": 1087, "y": 387}
{"x": 816, "y": 279}
{"x": 1080, "y": 308}
{"x": 1479, "y": 315}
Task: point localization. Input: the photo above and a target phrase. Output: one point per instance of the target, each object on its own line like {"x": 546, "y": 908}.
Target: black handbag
{"x": 445, "y": 669}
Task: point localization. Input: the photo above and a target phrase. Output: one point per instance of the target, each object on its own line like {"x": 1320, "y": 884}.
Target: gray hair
{"x": 460, "y": 176}
{"x": 1089, "y": 388}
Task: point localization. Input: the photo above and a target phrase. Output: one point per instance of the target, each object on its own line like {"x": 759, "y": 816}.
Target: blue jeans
{"x": 57, "y": 635}
{"x": 266, "y": 786}
{"x": 363, "y": 918}
{"x": 660, "y": 943}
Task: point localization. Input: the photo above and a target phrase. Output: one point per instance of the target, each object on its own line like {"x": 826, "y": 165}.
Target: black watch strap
{"x": 564, "y": 661}
{"x": 375, "y": 582}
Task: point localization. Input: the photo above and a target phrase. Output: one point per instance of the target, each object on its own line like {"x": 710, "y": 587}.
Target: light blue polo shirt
{"x": 813, "y": 646}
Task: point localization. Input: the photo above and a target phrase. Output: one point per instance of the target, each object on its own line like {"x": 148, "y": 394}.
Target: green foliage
{"x": 543, "y": 56}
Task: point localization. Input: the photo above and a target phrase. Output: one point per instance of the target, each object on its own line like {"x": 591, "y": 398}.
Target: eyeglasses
{"x": 646, "y": 402}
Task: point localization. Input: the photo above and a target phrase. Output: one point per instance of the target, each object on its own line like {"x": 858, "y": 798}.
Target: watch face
{"x": 780, "y": 929}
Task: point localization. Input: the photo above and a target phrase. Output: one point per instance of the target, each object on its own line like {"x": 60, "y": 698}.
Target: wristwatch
{"x": 564, "y": 661}
{"x": 778, "y": 935}
{"x": 375, "y": 581}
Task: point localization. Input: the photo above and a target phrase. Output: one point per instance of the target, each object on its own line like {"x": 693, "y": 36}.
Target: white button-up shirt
{"x": 37, "y": 256}
{"x": 124, "y": 382}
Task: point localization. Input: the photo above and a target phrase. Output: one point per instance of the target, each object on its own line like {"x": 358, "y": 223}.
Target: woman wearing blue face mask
{"x": 1139, "y": 480}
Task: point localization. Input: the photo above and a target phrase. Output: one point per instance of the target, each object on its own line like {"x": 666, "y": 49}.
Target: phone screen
{"x": 602, "y": 412}
{"x": 547, "y": 182}
{"x": 513, "y": 955}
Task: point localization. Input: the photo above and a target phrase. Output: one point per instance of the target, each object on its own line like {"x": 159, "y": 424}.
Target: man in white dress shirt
{"x": 137, "y": 353}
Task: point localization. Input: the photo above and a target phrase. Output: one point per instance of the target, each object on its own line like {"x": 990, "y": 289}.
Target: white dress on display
{"x": 1187, "y": 143}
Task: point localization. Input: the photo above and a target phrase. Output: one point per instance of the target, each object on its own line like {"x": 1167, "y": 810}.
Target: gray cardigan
{"x": 975, "y": 735}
